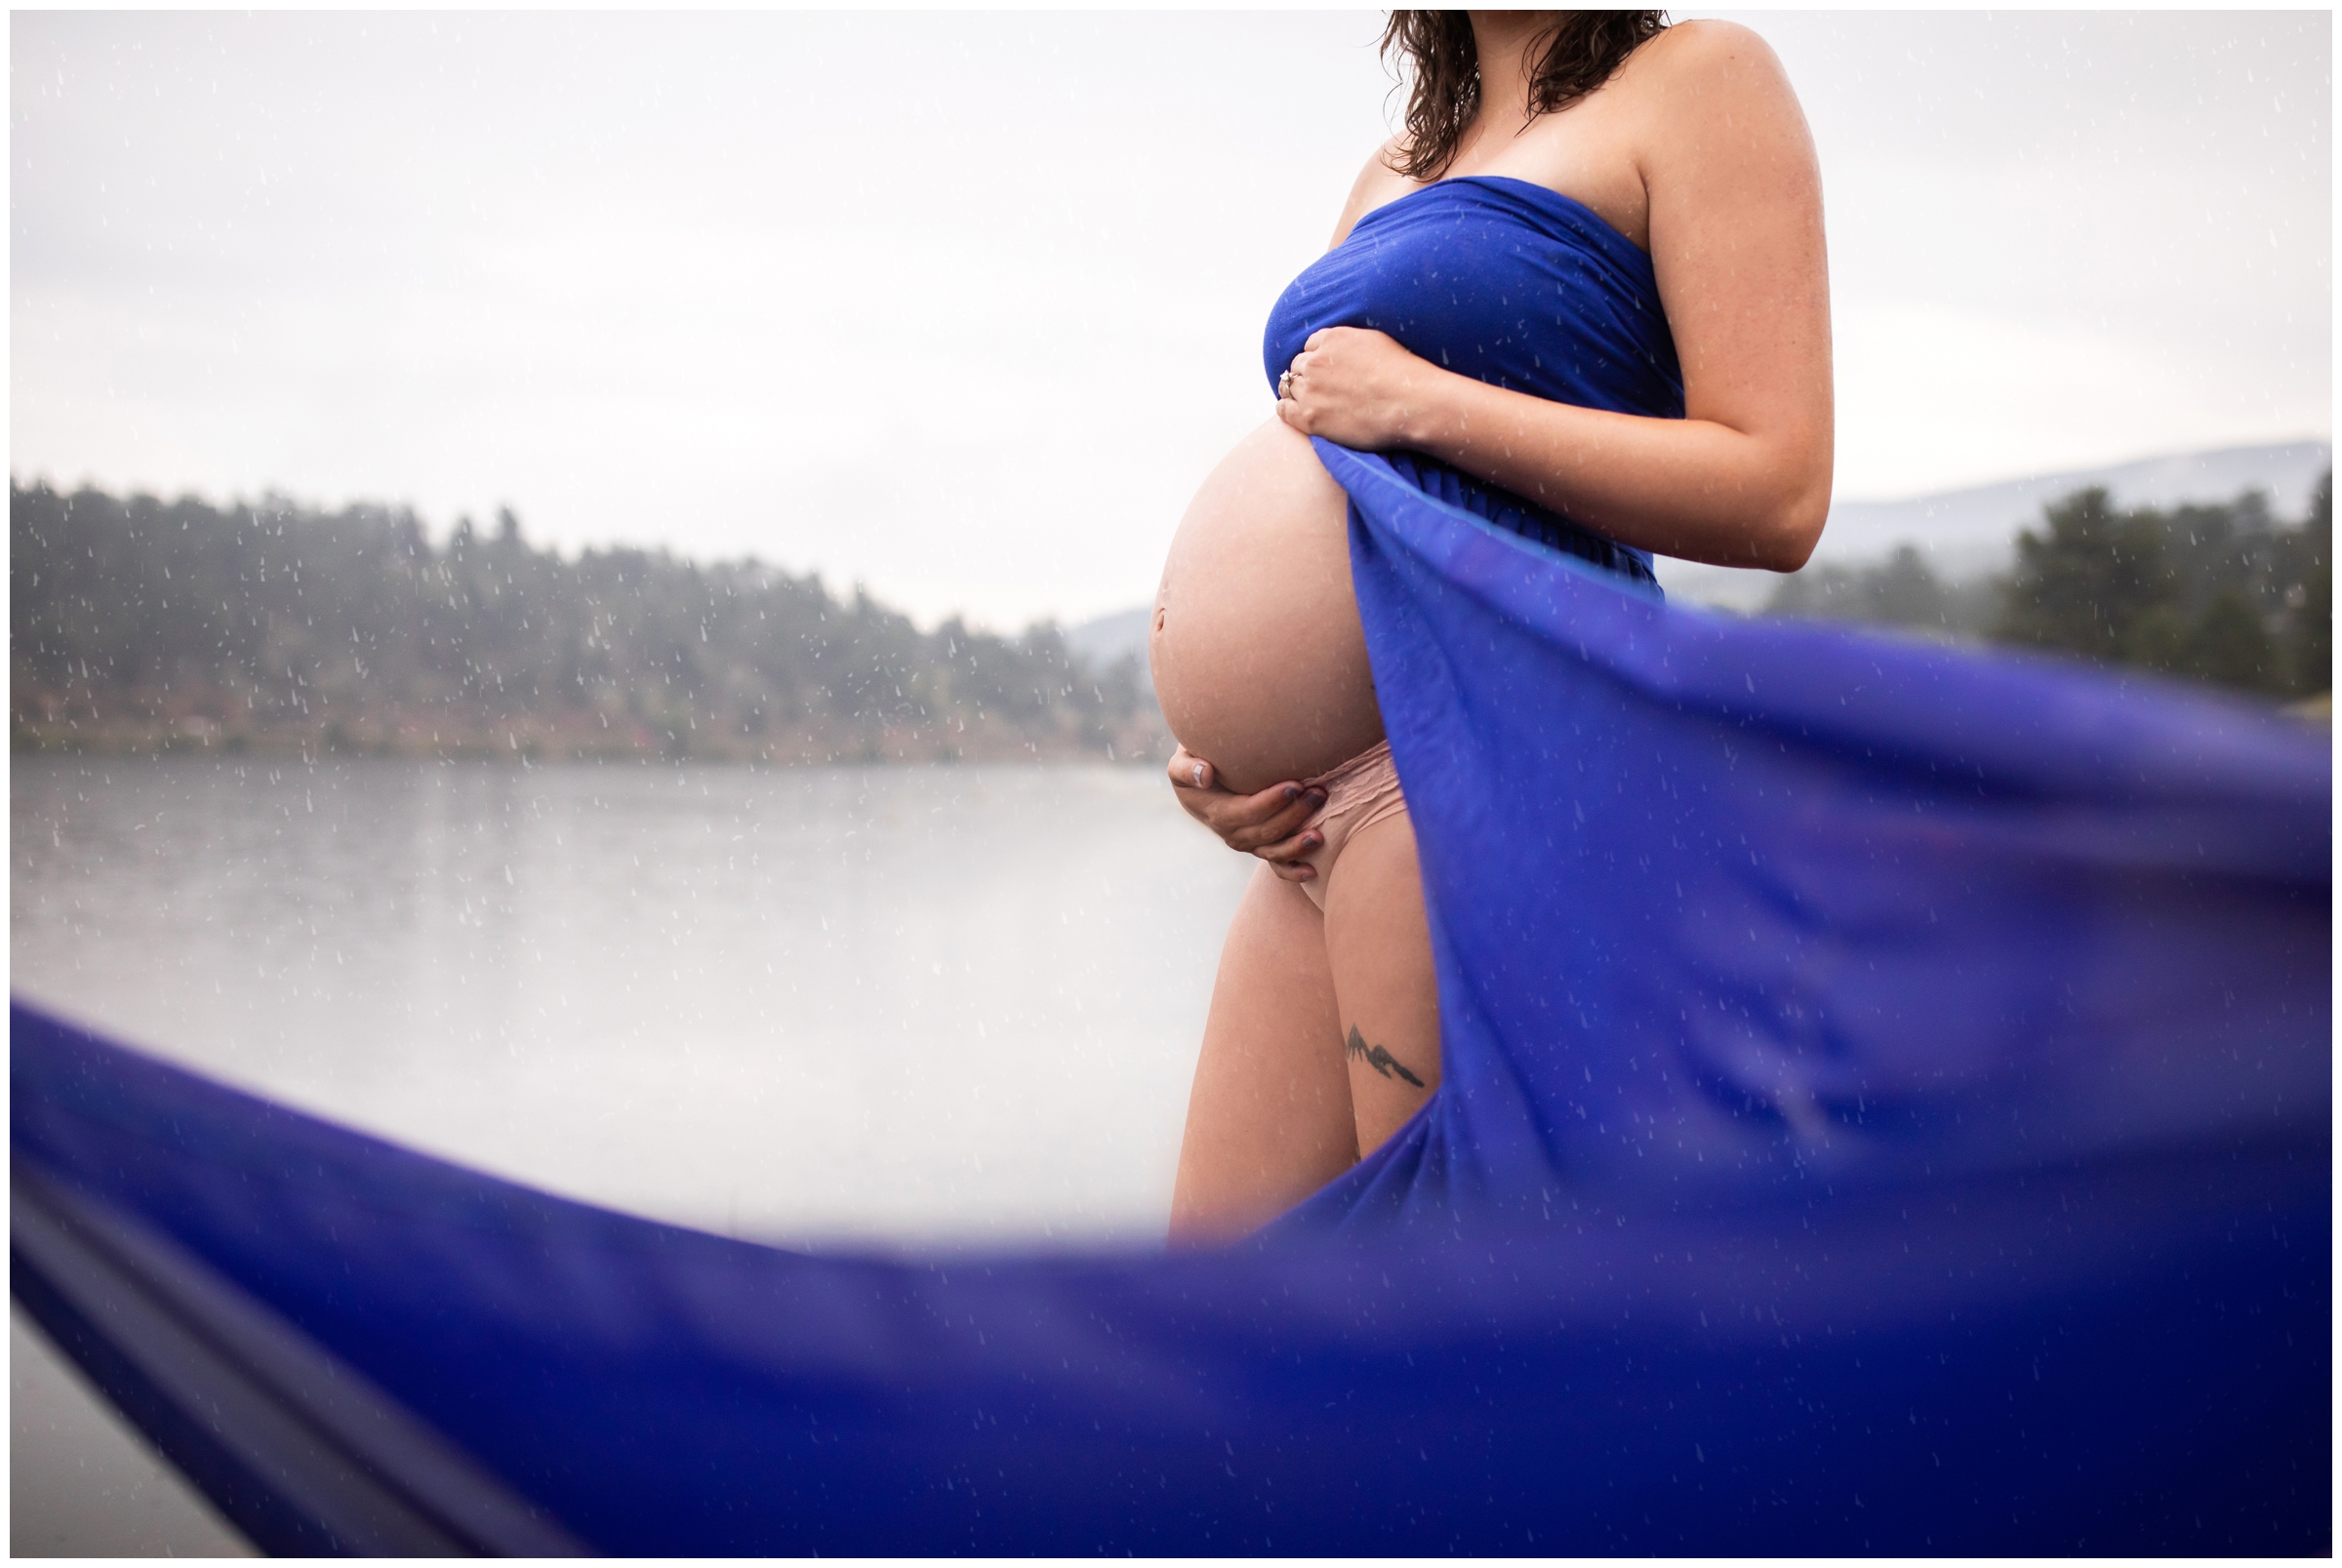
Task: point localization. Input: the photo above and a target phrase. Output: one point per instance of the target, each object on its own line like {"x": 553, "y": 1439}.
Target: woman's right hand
{"x": 1268, "y": 824}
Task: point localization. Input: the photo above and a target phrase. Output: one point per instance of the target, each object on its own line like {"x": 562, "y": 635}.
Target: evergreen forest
{"x": 2223, "y": 592}
{"x": 143, "y": 624}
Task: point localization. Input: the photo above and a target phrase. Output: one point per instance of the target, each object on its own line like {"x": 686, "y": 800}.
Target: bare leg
{"x": 1269, "y": 1119}
{"x": 1379, "y": 947}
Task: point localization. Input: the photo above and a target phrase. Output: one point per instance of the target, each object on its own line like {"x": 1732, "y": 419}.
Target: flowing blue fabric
{"x": 1912, "y": 912}
{"x": 1886, "y": 1107}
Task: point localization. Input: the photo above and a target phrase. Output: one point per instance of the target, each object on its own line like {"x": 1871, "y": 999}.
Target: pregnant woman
{"x": 1582, "y": 299}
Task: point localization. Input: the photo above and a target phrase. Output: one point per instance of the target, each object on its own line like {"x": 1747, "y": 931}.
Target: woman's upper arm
{"x": 1736, "y": 241}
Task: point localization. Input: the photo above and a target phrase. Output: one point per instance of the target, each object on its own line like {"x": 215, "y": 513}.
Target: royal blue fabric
{"x": 1511, "y": 284}
{"x": 1887, "y": 1108}
{"x": 1910, "y": 911}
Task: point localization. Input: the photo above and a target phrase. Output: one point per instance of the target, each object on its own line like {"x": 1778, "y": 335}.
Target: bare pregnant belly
{"x": 1260, "y": 663}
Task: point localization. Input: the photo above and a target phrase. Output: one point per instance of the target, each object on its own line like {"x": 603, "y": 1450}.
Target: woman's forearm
{"x": 1690, "y": 488}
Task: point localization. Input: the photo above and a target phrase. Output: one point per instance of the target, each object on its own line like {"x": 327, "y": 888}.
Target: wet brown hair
{"x": 1435, "y": 49}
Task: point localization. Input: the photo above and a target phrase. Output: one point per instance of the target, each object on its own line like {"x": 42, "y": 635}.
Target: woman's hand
{"x": 1268, "y": 824}
{"x": 1356, "y": 387}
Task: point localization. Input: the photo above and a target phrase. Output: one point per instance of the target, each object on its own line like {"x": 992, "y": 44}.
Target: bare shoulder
{"x": 1377, "y": 183}
{"x": 1707, "y": 47}
{"x": 1709, "y": 60}
{"x": 1713, "y": 106}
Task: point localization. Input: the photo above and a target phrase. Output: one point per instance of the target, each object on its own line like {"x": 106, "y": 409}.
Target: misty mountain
{"x": 1113, "y": 640}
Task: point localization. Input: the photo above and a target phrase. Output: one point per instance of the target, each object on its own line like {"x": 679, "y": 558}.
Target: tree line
{"x": 141, "y": 623}
{"x": 2223, "y": 592}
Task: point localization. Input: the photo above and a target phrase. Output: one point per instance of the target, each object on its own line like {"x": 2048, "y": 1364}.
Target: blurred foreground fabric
{"x": 1887, "y": 1108}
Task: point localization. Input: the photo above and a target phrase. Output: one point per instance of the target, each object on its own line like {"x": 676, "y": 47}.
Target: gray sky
{"x": 964, "y": 306}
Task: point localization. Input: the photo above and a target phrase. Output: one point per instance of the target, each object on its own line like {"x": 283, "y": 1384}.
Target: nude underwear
{"x": 1362, "y": 792}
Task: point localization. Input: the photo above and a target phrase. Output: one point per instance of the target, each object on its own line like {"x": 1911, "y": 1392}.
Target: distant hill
{"x": 1111, "y": 640}
{"x": 2225, "y": 592}
{"x": 1972, "y": 532}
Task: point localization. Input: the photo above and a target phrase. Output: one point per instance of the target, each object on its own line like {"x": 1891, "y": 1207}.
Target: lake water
{"x": 908, "y": 1004}
{"x": 894, "y": 1004}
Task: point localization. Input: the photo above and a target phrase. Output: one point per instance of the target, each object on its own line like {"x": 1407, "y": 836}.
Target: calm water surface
{"x": 903, "y": 1004}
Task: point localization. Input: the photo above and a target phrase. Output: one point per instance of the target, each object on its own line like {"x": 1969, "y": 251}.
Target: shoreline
{"x": 531, "y": 740}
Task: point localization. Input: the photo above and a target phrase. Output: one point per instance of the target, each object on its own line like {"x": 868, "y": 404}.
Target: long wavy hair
{"x": 1435, "y": 55}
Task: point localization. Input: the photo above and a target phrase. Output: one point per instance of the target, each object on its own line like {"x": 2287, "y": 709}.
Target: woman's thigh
{"x": 1379, "y": 950}
{"x": 1270, "y": 1118}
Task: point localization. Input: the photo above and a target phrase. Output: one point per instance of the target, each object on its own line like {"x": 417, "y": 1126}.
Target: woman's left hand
{"x": 1356, "y": 387}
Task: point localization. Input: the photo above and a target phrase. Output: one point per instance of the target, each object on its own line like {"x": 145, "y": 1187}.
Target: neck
{"x": 1507, "y": 43}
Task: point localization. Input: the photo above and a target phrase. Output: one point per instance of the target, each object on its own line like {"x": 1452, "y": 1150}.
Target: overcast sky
{"x": 964, "y": 306}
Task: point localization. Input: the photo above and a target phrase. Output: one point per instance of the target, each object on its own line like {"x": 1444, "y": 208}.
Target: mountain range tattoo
{"x": 1375, "y": 1056}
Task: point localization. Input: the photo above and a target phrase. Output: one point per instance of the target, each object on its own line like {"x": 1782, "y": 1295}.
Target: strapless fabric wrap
{"x": 1510, "y": 284}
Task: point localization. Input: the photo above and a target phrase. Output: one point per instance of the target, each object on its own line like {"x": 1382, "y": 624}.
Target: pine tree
{"x": 2091, "y": 583}
{"x": 2310, "y": 628}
